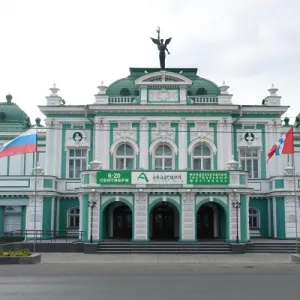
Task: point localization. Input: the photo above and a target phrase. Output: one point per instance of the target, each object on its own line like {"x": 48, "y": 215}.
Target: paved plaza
{"x": 219, "y": 259}
{"x": 77, "y": 277}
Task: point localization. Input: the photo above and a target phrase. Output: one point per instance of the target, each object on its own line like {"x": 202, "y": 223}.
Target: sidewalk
{"x": 166, "y": 258}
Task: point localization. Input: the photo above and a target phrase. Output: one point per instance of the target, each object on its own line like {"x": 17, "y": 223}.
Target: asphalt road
{"x": 86, "y": 281}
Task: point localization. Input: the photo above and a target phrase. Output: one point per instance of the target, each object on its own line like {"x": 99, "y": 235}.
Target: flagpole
{"x": 35, "y": 193}
{"x": 35, "y": 188}
{"x": 295, "y": 202}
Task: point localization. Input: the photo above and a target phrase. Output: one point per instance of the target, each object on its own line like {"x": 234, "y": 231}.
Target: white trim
{"x": 257, "y": 215}
{"x": 115, "y": 145}
{"x": 258, "y": 158}
{"x": 203, "y": 140}
{"x": 144, "y": 80}
{"x": 161, "y": 141}
{"x": 68, "y": 215}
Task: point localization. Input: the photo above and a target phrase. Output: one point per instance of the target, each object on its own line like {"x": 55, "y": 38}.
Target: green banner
{"x": 208, "y": 177}
{"x": 114, "y": 177}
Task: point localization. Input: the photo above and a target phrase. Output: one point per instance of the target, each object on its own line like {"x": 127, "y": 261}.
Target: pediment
{"x": 163, "y": 78}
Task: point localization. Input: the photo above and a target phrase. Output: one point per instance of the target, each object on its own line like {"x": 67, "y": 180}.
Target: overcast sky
{"x": 76, "y": 44}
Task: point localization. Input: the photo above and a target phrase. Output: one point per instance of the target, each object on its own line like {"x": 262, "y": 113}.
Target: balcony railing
{"x": 204, "y": 100}
{"x": 121, "y": 100}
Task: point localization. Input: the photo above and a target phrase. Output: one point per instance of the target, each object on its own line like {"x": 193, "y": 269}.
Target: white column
{"x": 105, "y": 144}
{"x": 95, "y": 217}
{"x": 57, "y": 213}
{"x": 144, "y": 147}
{"x": 221, "y": 137}
{"x": 49, "y": 148}
{"x": 188, "y": 224}
{"x": 182, "y": 144}
{"x": 141, "y": 217}
{"x": 52, "y": 213}
{"x": 233, "y": 218}
{"x": 57, "y": 147}
{"x": 229, "y": 141}
{"x": 34, "y": 215}
{"x": 98, "y": 138}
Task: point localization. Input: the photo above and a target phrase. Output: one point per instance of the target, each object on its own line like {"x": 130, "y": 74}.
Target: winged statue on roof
{"x": 162, "y": 47}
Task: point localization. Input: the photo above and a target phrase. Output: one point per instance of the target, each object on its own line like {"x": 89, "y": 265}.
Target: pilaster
{"x": 233, "y": 219}
{"x": 141, "y": 217}
{"x": 144, "y": 147}
{"x": 222, "y": 150}
{"x": 182, "y": 144}
{"x": 188, "y": 217}
{"x": 98, "y": 137}
{"x": 84, "y": 210}
{"x": 94, "y": 213}
{"x": 34, "y": 216}
{"x": 56, "y": 155}
{"x": 105, "y": 133}
{"x": 49, "y": 147}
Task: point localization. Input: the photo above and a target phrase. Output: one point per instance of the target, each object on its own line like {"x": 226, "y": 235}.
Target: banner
{"x": 162, "y": 177}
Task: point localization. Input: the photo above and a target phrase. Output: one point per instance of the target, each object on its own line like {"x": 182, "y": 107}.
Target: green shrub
{"x": 22, "y": 252}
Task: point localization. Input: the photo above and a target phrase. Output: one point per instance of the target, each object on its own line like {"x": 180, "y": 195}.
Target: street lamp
{"x": 236, "y": 204}
{"x": 92, "y": 204}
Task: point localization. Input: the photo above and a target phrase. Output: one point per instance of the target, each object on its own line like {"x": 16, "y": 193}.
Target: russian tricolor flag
{"x": 25, "y": 143}
{"x": 285, "y": 145}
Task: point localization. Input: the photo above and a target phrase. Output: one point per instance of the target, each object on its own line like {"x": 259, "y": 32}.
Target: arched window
{"x": 73, "y": 218}
{"x": 253, "y": 218}
{"x": 201, "y": 91}
{"x": 201, "y": 158}
{"x": 163, "y": 158}
{"x": 124, "y": 92}
{"x": 124, "y": 157}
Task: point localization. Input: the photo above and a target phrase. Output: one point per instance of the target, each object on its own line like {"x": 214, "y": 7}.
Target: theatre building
{"x": 158, "y": 155}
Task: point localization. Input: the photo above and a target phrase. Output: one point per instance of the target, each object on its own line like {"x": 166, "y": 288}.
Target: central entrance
{"x": 164, "y": 220}
{"x": 117, "y": 221}
{"x": 122, "y": 222}
{"x": 211, "y": 222}
{"x": 205, "y": 222}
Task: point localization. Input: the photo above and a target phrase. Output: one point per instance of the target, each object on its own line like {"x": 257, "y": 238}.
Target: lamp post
{"x": 236, "y": 204}
{"x": 92, "y": 204}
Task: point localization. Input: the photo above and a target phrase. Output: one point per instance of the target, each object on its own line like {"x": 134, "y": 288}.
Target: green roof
{"x": 199, "y": 83}
{"x": 12, "y": 117}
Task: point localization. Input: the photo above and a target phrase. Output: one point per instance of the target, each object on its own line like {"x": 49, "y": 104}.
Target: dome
{"x": 126, "y": 86}
{"x": 11, "y": 112}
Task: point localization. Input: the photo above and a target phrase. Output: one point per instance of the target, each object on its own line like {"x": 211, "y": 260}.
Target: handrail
{"x": 42, "y": 235}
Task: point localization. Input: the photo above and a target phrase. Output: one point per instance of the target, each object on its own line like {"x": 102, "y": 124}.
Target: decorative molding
{"x": 204, "y": 140}
{"x": 201, "y": 130}
{"x": 125, "y": 130}
{"x": 161, "y": 141}
{"x": 163, "y": 78}
{"x": 121, "y": 141}
{"x": 77, "y": 138}
{"x": 163, "y": 95}
{"x": 163, "y": 130}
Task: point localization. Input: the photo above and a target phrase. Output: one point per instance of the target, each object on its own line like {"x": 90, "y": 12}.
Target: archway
{"x": 164, "y": 222}
{"x": 117, "y": 221}
{"x": 211, "y": 221}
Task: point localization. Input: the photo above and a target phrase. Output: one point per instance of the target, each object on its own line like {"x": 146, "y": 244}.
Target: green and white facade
{"x": 160, "y": 155}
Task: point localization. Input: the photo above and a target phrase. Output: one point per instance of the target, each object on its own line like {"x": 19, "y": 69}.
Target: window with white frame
{"x": 249, "y": 161}
{"x": 201, "y": 158}
{"x": 253, "y": 218}
{"x": 124, "y": 157}
{"x": 163, "y": 158}
{"x": 77, "y": 162}
{"x": 73, "y": 218}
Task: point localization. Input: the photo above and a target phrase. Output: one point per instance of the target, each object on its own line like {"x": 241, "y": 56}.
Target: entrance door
{"x": 12, "y": 218}
{"x": 205, "y": 222}
{"x": 122, "y": 222}
{"x": 163, "y": 218}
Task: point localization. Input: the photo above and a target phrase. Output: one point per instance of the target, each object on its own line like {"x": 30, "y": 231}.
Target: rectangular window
{"x": 77, "y": 162}
{"x": 249, "y": 162}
